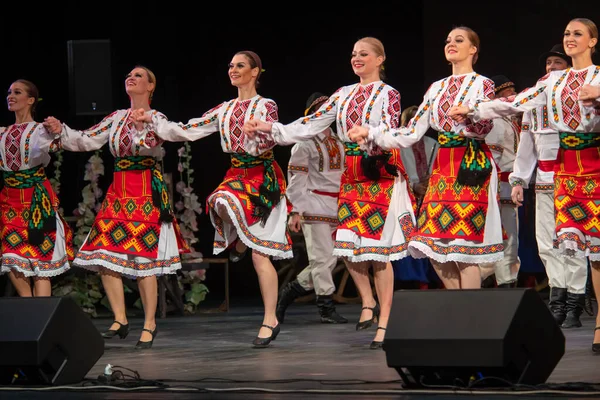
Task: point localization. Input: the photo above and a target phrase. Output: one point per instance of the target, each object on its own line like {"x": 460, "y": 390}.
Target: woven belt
{"x": 41, "y": 218}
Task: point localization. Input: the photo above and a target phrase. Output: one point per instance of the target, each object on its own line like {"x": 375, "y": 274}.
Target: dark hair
{"x": 32, "y": 91}
{"x": 254, "y": 60}
{"x": 473, "y": 38}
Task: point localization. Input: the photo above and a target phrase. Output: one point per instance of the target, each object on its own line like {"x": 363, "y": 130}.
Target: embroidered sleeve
{"x": 309, "y": 126}
{"x": 268, "y": 112}
{"x": 271, "y": 114}
{"x": 39, "y": 142}
{"x": 387, "y": 136}
{"x": 481, "y": 128}
{"x": 528, "y": 99}
{"x": 148, "y": 137}
{"x": 194, "y": 129}
{"x": 89, "y": 139}
{"x": 47, "y": 141}
{"x": 390, "y": 117}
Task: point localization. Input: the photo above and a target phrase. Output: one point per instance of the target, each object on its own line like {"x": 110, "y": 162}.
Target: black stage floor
{"x": 308, "y": 359}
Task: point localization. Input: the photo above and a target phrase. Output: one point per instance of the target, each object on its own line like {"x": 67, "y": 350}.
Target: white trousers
{"x": 321, "y": 261}
{"x": 563, "y": 272}
{"x": 507, "y": 269}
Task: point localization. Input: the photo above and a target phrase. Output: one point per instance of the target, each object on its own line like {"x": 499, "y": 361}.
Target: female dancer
{"x": 36, "y": 242}
{"x": 375, "y": 206}
{"x": 134, "y": 233}
{"x": 578, "y": 171}
{"x": 250, "y": 203}
{"x": 459, "y": 224}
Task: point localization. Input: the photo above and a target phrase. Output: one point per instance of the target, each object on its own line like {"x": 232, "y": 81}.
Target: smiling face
{"x": 140, "y": 81}
{"x": 459, "y": 46}
{"x": 19, "y": 97}
{"x": 579, "y": 38}
{"x": 241, "y": 72}
{"x": 365, "y": 60}
{"x": 555, "y": 63}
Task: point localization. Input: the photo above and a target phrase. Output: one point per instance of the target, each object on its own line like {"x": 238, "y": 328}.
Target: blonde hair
{"x": 473, "y": 38}
{"x": 151, "y": 78}
{"x": 591, "y": 26}
{"x": 379, "y": 50}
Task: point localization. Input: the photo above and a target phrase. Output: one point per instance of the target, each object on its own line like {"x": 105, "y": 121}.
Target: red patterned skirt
{"x": 375, "y": 212}
{"x": 51, "y": 254}
{"x": 253, "y": 196}
{"x": 130, "y": 234}
{"x": 453, "y": 217}
{"x": 577, "y": 195}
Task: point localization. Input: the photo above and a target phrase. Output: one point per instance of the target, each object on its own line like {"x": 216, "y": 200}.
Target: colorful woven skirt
{"x": 375, "y": 213}
{"x": 253, "y": 196}
{"x": 458, "y": 222}
{"x": 134, "y": 232}
{"x": 29, "y": 209}
{"x": 577, "y": 195}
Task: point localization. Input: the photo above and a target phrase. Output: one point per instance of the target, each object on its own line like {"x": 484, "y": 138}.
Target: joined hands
{"x": 255, "y": 127}
{"x": 358, "y": 134}
{"x": 588, "y": 95}
{"x": 458, "y": 113}
{"x": 52, "y": 125}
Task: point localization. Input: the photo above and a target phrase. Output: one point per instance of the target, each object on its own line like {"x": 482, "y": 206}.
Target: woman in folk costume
{"x": 36, "y": 242}
{"x": 135, "y": 233}
{"x": 249, "y": 205}
{"x": 375, "y": 206}
{"x": 577, "y": 173}
{"x": 459, "y": 223}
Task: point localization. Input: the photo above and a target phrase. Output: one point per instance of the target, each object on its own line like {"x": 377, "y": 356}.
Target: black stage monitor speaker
{"x": 46, "y": 340}
{"x": 90, "y": 81}
{"x": 487, "y": 337}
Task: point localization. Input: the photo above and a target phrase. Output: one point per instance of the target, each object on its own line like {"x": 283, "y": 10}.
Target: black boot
{"x": 327, "y": 311}
{"x": 558, "y": 303}
{"x": 575, "y": 303}
{"x": 288, "y": 294}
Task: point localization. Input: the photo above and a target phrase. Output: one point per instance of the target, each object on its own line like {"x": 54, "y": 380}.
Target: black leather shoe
{"x": 260, "y": 343}
{"x": 367, "y": 323}
{"x": 596, "y": 346}
{"x": 235, "y": 256}
{"x": 376, "y": 344}
{"x": 123, "y": 331}
{"x": 146, "y": 345}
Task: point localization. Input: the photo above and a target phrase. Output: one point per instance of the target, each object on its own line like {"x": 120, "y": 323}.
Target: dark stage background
{"x": 304, "y": 47}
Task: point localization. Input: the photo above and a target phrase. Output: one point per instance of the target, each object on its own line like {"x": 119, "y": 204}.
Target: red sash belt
{"x": 546, "y": 165}
{"x": 330, "y": 194}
